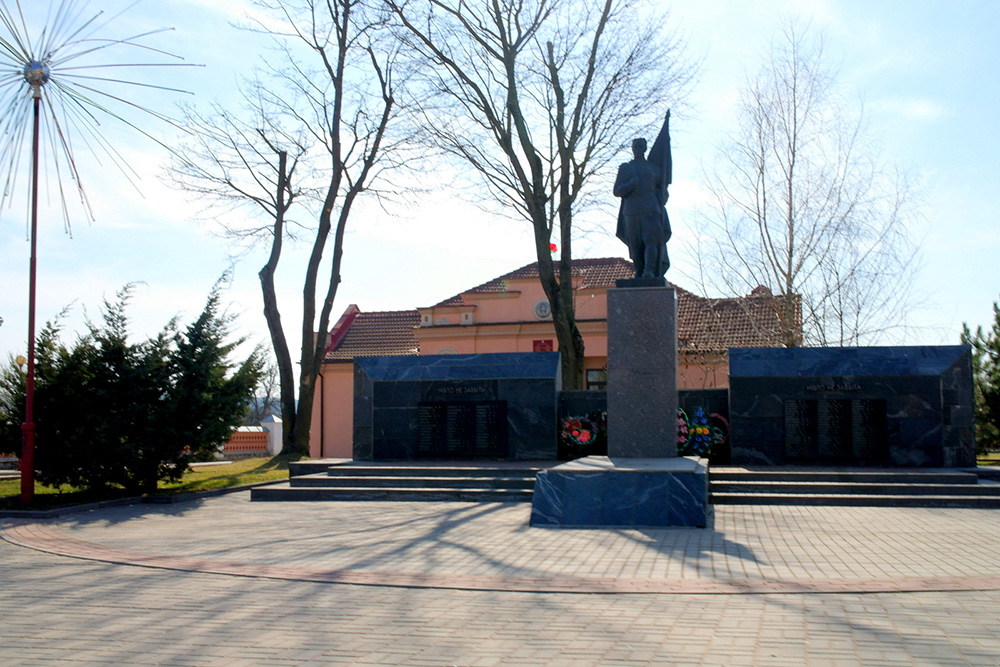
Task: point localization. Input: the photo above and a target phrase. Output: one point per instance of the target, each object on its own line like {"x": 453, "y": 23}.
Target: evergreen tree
{"x": 207, "y": 385}
{"x": 986, "y": 381}
{"x": 112, "y": 413}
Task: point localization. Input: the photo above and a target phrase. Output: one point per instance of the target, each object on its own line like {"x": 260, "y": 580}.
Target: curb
{"x": 168, "y": 499}
{"x": 160, "y": 499}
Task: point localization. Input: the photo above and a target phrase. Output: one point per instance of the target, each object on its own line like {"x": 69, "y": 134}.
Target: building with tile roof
{"x": 510, "y": 314}
{"x": 375, "y": 334}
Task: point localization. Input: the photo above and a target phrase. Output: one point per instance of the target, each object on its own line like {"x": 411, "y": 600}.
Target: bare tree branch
{"x": 531, "y": 98}
{"x": 805, "y": 206}
{"x": 312, "y": 137}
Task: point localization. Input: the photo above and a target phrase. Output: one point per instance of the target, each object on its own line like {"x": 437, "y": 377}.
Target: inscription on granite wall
{"x": 838, "y": 429}
{"x": 457, "y": 390}
{"x": 462, "y": 429}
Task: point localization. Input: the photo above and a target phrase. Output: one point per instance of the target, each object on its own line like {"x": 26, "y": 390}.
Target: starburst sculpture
{"x": 52, "y": 94}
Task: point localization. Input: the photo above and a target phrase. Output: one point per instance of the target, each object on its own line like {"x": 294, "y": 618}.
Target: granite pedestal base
{"x": 598, "y": 491}
{"x": 642, "y": 372}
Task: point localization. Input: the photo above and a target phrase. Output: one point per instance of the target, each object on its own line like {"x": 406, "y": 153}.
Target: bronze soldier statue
{"x": 643, "y": 224}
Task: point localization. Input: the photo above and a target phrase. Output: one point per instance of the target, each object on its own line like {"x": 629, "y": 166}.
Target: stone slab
{"x": 641, "y": 282}
{"x": 642, "y": 372}
{"x": 493, "y": 405}
{"x": 601, "y": 491}
{"x": 910, "y": 406}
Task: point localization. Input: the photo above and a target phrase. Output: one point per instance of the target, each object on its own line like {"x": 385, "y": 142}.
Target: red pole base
{"x": 27, "y": 463}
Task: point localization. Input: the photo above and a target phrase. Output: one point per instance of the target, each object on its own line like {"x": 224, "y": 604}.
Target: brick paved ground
{"x": 64, "y": 609}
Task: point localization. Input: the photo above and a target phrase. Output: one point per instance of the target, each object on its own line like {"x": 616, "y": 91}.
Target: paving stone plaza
{"x": 221, "y": 581}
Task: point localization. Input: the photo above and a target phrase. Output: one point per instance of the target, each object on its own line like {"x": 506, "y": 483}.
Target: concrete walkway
{"x": 223, "y": 581}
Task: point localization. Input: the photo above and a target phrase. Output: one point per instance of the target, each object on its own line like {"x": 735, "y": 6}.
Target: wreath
{"x": 579, "y": 431}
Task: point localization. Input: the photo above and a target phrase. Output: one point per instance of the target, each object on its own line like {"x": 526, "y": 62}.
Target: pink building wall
{"x": 332, "y": 429}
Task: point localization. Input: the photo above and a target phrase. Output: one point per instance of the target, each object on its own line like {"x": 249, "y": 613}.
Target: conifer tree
{"x": 986, "y": 381}
{"x": 126, "y": 414}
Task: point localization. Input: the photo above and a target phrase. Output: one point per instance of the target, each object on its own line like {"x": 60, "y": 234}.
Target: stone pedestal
{"x": 622, "y": 492}
{"x": 642, "y": 481}
{"x": 642, "y": 372}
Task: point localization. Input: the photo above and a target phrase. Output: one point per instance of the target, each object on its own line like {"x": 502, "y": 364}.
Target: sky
{"x": 927, "y": 71}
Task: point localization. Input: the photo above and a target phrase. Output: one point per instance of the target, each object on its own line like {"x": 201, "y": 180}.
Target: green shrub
{"x": 986, "y": 381}
{"x": 110, "y": 412}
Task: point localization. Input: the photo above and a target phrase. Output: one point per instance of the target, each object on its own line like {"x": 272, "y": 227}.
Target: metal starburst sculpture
{"x": 50, "y": 93}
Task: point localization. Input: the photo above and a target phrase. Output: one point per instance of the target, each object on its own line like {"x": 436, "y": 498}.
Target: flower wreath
{"x": 579, "y": 431}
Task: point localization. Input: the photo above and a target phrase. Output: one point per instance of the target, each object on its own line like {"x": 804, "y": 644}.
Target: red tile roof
{"x": 596, "y": 273}
{"x": 718, "y": 324}
{"x": 703, "y": 324}
{"x": 378, "y": 334}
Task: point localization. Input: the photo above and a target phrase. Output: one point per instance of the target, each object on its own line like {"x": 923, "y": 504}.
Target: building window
{"x": 597, "y": 379}
{"x": 541, "y": 346}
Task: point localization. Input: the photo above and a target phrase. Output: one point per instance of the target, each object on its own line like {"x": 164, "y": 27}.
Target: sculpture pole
{"x": 36, "y": 76}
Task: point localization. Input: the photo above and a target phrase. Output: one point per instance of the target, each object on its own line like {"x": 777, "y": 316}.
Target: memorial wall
{"x": 886, "y": 406}
{"x": 461, "y": 406}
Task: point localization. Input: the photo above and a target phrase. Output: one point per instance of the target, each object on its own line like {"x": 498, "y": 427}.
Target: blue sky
{"x": 928, "y": 72}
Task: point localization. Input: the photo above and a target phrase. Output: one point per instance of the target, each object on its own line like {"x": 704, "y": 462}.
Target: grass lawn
{"x": 201, "y": 478}
{"x": 988, "y": 459}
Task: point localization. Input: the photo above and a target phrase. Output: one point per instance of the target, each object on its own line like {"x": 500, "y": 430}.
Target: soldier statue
{"x": 643, "y": 224}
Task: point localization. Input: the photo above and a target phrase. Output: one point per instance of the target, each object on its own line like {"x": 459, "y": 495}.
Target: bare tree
{"x": 533, "y": 98}
{"x": 266, "y": 400}
{"x": 311, "y": 138}
{"x": 805, "y": 207}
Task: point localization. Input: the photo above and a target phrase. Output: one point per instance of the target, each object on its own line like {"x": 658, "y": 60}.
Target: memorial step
{"x": 841, "y": 488}
{"x": 881, "y": 476}
{"x": 313, "y": 466}
{"x": 855, "y": 500}
{"x": 282, "y": 492}
{"x": 486, "y": 470}
{"x": 846, "y": 487}
{"x": 340, "y": 480}
{"x": 414, "y": 481}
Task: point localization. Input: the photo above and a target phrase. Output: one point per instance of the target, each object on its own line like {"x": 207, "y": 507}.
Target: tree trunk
{"x": 571, "y": 347}
{"x": 560, "y": 296}
{"x": 283, "y": 357}
{"x": 303, "y": 418}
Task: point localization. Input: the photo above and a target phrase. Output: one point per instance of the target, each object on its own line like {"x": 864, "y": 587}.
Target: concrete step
{"x": 722, "y": 474}
{"x": 414, "y": 481}
{"x": 313, "y": 466}
{"x": 411, "y": 470}
{"x": 442, "y": 468}
{"x": 872, "y": 489}
{"x": 281, "y": 492}
{"x": 854, "y": 500}
{"x": 340, "y": 479}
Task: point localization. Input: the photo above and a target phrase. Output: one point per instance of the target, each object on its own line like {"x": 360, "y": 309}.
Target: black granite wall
{"x": 487, "y": 406}
{"x": 896, "y": 406}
